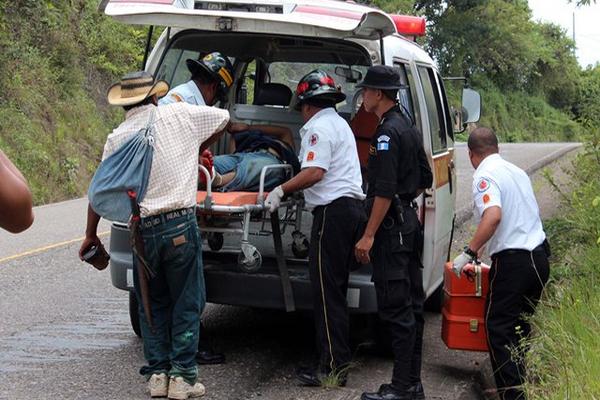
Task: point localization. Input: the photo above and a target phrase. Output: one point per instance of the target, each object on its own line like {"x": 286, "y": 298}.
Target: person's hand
{"x": 362, "y": 249}
{"x": 207, "y": 160}
{"x": 88, "y": 242}
{"x": 459, "y": 263}
{"x": 236, "y": 127}
{"x": 274, "y": 198}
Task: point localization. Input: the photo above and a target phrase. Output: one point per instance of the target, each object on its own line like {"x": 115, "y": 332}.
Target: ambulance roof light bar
{"x": 408, "y": 25}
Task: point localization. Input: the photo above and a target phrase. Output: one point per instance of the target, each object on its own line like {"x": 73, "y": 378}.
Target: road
{"x": 65, "y": 330}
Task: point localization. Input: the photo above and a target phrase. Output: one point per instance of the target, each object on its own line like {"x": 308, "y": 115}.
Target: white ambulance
{"x": 272, "y": 44}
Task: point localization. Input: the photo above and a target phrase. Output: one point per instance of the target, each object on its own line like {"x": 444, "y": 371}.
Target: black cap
{"x": 381, "y": 77}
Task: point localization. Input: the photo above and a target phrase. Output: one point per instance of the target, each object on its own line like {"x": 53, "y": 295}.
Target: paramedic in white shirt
{"x": 331, "y": 179}
{"x": 212, "y": 76}
{"x": 509, "y": 222}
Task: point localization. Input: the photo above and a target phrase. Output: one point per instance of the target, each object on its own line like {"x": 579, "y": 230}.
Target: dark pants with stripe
{"x": 336, "y": 229}
{"x": 398, "y": 278}
{"x": 517, "y": 278}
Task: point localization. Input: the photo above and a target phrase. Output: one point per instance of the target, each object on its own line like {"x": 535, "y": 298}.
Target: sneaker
{"x": 158, "y": 385}
{"x": 179, "y": 389}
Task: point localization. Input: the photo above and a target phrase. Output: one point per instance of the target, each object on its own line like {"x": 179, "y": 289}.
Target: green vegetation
{"x": 564, "y": 355}
{"x": 57, "y": 58}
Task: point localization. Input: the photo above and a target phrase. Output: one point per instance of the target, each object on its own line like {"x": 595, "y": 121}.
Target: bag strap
{"x": 149, "y": 129}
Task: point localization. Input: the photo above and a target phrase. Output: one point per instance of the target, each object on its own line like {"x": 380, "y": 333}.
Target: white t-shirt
{"x": 328, "y": 143}
{"x": 186, "y": 92}
{"x": 497, "y": 182}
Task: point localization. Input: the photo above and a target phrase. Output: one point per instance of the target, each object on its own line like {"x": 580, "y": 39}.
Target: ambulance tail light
{"x": 408, "y": 25}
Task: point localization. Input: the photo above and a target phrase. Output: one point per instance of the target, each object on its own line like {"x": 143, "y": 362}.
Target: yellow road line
{"x": 49, "y": 247}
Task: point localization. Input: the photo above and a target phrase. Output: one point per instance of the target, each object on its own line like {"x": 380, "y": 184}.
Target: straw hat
{"x": 134, "y": 88}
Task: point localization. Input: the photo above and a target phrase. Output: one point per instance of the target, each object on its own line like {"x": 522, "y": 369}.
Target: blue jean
{"x": 177, "y": 297}
{"x": 247, "y": 167}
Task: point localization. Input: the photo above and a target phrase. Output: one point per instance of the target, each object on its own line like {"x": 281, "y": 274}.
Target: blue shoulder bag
{"x": 127, "y": 169}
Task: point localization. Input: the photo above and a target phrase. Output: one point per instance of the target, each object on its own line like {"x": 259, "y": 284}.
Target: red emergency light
{"x": 409, "y": 25}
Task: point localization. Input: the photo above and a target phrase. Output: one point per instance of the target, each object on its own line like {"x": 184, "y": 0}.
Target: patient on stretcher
{"x": 252, "y": 148}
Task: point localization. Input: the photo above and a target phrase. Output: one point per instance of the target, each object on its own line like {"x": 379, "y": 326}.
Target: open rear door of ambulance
{"x": 325, "y": 19}
{"x": 440, "y": 199}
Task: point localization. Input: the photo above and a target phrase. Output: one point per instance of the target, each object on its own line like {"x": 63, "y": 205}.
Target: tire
{"x": 435, "y": 302}
{"x": 134, "y": 314}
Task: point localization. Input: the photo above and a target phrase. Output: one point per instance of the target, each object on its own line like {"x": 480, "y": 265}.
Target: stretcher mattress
{"x": 230, "y": 198}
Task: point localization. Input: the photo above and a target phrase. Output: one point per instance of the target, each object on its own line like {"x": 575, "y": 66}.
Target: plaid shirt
{"x": 179, "y": 130}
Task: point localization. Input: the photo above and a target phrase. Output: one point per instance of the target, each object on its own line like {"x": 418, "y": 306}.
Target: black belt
{"x": 154, "y": 220}
{"x": 342, "y": 202}
{"x": 509, "y": 252}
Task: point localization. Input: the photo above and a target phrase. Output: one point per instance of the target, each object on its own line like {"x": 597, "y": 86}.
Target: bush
{"x": 54, "y": 117}
{"x": 564, "y": 356}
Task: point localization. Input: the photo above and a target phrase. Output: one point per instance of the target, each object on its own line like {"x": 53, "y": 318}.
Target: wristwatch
{"x": 469, "y": 252}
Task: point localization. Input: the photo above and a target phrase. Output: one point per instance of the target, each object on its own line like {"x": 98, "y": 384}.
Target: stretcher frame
{"x": 250, "y": 258}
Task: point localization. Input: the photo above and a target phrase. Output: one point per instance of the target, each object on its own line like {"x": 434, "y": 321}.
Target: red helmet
{"x": 318, "y": 85}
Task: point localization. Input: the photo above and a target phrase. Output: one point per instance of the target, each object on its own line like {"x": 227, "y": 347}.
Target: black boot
{"x": 417, "y": 391}
{"x": 387, "y": 392}
{"x": 321, "y": 376}
{"x": 206, "y": 354}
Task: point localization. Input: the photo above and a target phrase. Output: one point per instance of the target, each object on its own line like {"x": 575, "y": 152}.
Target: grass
{"x": 564, "y": 353}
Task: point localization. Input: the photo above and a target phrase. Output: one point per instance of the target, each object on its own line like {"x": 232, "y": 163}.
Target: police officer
{"x": 331, "y": 179}
{"x": 509, "y": 222}
{"x": 397, "y": 171}
{"x": 212, "y": 76}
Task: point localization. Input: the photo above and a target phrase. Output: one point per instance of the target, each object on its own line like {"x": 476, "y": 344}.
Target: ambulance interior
{"x": 267, "y": 71}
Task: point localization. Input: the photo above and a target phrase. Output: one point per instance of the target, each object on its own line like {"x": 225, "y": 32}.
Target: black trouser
{"x": 517, "y": 278}
{"x": 335, "y": 231}
{"x": 398, "y": 278}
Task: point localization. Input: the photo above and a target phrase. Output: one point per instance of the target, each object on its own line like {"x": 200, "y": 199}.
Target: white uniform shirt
{"x": 328, "y": 143}
{"x": 179, "y": 130}
{"x": 497, "y": 182}
{"x": 185, "y": 93}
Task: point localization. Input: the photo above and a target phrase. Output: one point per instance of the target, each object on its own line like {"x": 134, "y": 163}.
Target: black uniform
{"x": 397, "y": 169}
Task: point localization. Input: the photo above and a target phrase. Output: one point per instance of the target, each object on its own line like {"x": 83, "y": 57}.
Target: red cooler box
{"x": 463, "y": 323}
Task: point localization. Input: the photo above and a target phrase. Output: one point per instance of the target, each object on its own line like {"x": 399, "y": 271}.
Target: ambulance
{"x": 272, "y": 44}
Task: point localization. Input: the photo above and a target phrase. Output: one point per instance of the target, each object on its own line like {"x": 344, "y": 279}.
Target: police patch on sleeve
{"x": 383, "y": 138}
{"x": 313, "y": 139}
{"x": 383, "y": 146}
{"x": 483, "y": 185}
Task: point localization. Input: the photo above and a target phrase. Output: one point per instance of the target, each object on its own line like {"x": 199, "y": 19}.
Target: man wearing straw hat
{"x": 168, "y": 228}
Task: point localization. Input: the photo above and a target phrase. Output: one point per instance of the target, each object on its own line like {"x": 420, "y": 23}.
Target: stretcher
{"x": 222, "y": 213}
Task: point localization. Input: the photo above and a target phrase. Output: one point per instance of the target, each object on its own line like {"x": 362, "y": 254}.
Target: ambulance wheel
{"x": 300, "y": 250}
{"x": 134, "y": 314}
{"x": 215, "y": 241}
{"x": 250, "y": 265}
{"x": 435, "y": 302}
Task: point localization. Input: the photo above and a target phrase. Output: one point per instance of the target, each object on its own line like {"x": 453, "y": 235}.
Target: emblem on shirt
{"x": 313, "y": 139}
{"x": 176, "y": 97}
{"x": 486, "y": 198}
{"x": 383, "y": 138}
{"x": 310, "y": 156}
{"x": 483, "y": 185}
{"x": 383, "y": 146}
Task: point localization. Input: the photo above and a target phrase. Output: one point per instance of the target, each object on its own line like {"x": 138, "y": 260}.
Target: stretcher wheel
{"x": 215, "y": 241}
{"x": 300, "y": 250}
{"x": 299, "y": 245}
{"x": 251, "y": 263}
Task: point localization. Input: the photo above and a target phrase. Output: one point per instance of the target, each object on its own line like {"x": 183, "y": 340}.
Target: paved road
{"x": 64, "y": 331}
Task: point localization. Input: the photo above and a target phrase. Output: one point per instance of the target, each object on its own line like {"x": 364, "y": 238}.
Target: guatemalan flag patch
{"x": 383, "y": 146}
